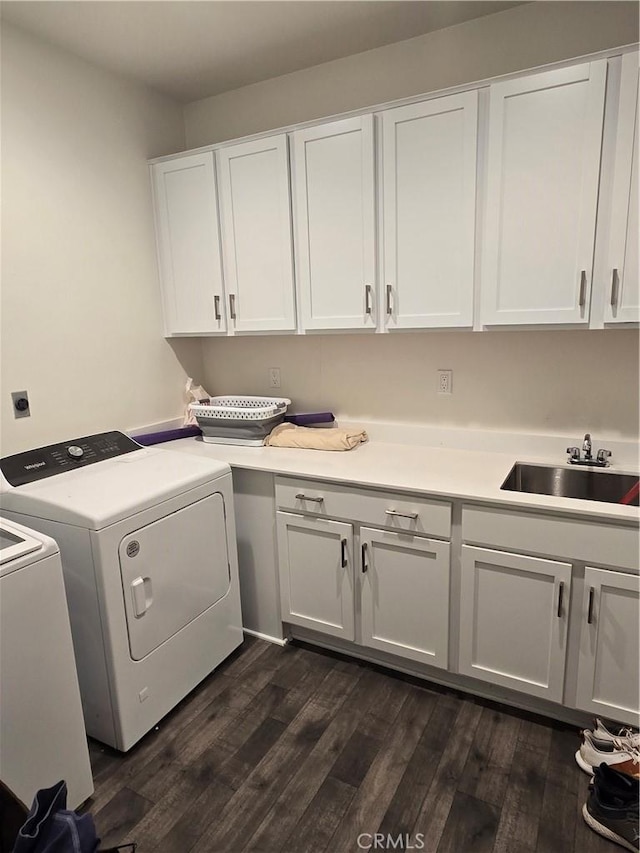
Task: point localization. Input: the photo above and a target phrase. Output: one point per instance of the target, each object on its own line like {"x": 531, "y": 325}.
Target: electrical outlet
{"x": 20, "y": 401}
{"x": 445, "y": 381}
{"x": 274, "y": 377}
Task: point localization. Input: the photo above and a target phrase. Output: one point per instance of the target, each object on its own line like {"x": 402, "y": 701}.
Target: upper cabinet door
{"x": 429, "y": 202}
{"x": 189, "y": 245}
{"x": 335, "y": 224}
{"x": 543, "y": 166}
{"x": 623, "y": 305}
{"x": 256, "y": 235}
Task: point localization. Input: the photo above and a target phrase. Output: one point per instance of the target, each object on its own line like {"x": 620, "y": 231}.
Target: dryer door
{"x": 172, "y": 571}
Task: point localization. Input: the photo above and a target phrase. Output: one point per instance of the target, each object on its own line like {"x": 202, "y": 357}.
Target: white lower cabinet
{"x": 514, "y": 613}
{"x": 392, "y": 575}
{"x": 375, "y": 568}
{"x": 316, "y": 573}
{"x": 608, "y": 666}
{"x": 405, "y": 595}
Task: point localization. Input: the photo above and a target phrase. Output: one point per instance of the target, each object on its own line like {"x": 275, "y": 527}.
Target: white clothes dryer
{"x": 148, "y": 547}
{"x": 42, "y": 735}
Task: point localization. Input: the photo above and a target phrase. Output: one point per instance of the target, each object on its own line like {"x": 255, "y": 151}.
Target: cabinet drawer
{"x": 376, "y": 508}
{"x": 566, "y": 538}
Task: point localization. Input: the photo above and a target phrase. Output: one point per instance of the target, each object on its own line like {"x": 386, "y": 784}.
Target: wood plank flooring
{"x": 294, "y": 750}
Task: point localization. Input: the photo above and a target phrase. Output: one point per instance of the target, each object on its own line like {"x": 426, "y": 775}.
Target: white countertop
{"x": 461, "y": 474}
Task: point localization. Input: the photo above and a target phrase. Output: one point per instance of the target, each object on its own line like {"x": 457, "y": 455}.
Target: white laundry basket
{"x": 239, "y": 420}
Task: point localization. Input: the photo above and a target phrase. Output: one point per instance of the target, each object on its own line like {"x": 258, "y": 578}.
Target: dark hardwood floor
{"x": 293, "y": 749}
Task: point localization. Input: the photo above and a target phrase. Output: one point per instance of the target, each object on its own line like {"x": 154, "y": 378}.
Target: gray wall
{"x": 518, "y": 38}
{"x": 542, "y": 381}
{"x": 81, "y": 315}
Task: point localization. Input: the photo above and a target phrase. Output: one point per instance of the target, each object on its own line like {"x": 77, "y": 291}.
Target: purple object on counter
{"x": 150, "y": 438}
{"x": 312, "y": 418}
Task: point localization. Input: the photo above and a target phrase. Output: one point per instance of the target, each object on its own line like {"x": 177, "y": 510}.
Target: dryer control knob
{"x": 75, "y": 452}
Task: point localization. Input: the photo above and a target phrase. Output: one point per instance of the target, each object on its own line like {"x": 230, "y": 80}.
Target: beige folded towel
{"x": 332, "y": 438}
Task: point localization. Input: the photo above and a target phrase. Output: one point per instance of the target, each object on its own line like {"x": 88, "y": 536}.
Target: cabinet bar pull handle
{"x": 615, "y": 287}
{"x": 216, "y": 307}
{"x": 590, "y": 610}
{"x": 364, "y": 558}
{"x": 560, "y": 597}
{"x": 367, "y": 299}
{"x": 232, "y": 305}
{"x": 343, "y": 553}
{"x": 583, "y": 289}
{"x": 301, "y": 497}
{"x": 411, "y": 515}
{"x": 389, "y": 290}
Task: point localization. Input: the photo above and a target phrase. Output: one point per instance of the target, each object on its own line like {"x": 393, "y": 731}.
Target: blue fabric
{"x": 52, "y": 828}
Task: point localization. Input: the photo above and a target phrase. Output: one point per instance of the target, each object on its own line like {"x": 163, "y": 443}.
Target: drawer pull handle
{"x": 582, "y": 300}
{"x": 412, "y": 515}
{"x": 560, "y": 597}
{"x": 343, "y": 553}
{"x": 365, "y": 565}
{"x": 301, "y": 497}
{"x": 615, "y": 287}
{"x": 590, "y": 608}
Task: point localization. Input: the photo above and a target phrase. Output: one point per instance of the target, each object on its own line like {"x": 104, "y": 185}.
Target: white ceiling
{"x": 191, "y": 49}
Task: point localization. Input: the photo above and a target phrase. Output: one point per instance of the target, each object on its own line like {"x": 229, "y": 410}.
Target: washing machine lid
{"x": 20, "y": 546}
{"x": 102, "y": 491}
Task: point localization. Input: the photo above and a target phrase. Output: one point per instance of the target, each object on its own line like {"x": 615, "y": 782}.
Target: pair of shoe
{"x": 612, "y": 758}
{"x": 618, "y": 748}
{"x": 612, "y": 807}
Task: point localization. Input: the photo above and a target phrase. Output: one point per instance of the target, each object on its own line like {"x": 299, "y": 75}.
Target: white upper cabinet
{"x": 189, "y": 245}
{"x": 623, "y": 304}
{"x": 545, "y": 133}
{"x": 429, "y": 202}
{"x": 256, "y": 235}
{"x": 333, "y": 174}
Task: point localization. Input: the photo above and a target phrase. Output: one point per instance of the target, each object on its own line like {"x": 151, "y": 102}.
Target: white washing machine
{"x": 148, "y": 547}
{"x": 42, "y": 736}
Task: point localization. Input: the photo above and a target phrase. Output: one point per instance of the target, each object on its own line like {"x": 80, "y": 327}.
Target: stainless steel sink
{"x": 566, "y": 482}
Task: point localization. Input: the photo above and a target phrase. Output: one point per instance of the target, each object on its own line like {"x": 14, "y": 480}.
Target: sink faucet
{"x": 601, "y": 460}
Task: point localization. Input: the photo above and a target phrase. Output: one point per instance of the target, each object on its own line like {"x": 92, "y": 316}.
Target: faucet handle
{"x": 602, "y": 456}
{"x": 574, "y": 453}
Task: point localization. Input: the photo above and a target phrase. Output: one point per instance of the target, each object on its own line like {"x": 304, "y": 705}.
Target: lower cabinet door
{"x": 514, "y": 613}
{"x": 316, "y": 573}
{"x": 405, "y": 595}
{"x": 608, "y": 681}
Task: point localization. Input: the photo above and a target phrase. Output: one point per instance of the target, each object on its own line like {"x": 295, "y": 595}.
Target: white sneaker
{"x": 601, "y": 734}
{"x": 617, "y": 754}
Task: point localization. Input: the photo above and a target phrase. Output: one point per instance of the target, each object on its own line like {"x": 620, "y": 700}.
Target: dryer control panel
{"x": 33, "y": 465}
